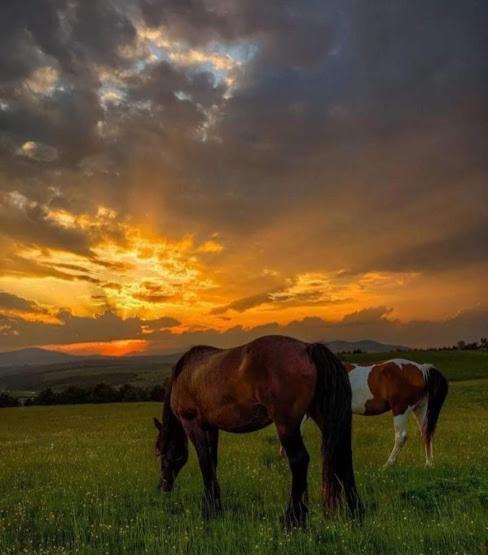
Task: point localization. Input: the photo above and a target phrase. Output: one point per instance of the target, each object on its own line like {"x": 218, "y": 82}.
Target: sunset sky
{"x": 178, "y": 172}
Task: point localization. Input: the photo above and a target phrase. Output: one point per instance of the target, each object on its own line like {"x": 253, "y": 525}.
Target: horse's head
{"x": 172, "y": 459}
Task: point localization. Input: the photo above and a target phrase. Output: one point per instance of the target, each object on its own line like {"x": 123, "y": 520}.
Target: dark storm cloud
{"x": 326, "y": 81}
{"x": 28, "y": 222}
{"x": 71, "y": 38}
{"x": 287, "y": 31}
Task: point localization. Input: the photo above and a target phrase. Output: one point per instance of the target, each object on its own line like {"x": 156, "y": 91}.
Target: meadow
{"x": 82, "y": 479}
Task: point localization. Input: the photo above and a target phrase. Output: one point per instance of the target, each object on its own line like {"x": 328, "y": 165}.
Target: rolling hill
{"x": 34, "y": 369}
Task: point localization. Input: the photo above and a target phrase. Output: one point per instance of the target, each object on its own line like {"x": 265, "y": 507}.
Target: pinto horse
{"x": 404, "y": 387}
{"x": 271, "y": 379}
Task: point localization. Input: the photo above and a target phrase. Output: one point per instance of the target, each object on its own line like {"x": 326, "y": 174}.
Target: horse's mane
{"x": 172, "y": 434}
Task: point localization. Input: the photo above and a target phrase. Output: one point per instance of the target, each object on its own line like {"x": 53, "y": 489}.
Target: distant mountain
{"x": 34, "y": 369}
{"x": 34, "y": 357}
{"x": 365, "y": 345}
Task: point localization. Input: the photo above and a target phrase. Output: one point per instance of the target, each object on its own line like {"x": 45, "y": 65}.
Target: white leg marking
{"x": 400, "y": 424}
{"x": 420, "y": 412}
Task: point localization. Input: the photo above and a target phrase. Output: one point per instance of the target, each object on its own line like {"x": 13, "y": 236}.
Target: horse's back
{"x": 245, "y": 384}
{"x": 394, "y": 384}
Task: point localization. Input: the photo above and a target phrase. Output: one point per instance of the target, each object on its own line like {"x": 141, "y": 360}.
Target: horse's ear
{"x": 157, "y": 423}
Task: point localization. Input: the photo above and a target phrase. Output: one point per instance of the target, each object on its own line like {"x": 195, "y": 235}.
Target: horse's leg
{"x": 205, "y": 443}
{"x": 298, "y": 459}
{"x": 302, "y": 425}
{"x": 420, "y": 412}
{"x": 213, "y": 438}
{"x": 400, "y": 422}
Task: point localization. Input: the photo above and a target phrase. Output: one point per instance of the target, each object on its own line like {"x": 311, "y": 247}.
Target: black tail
{"x": 437, "y": 388}
{"x": 332, "y": 412}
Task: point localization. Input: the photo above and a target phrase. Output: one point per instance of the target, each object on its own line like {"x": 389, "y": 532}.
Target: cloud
{"x": 243, "y": 304}
{"x": 38, "y": 152}
{"x": 312, "y": 138}
{"x": 460, "y": 249}
{"x": 16, "y": 331}
{"x": 469, "y": 324}
{"x": 366, "y": 316}
{"x": 13, "y": 302}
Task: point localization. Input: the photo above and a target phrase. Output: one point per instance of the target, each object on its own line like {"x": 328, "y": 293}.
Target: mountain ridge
{"x": 37, "y": 356}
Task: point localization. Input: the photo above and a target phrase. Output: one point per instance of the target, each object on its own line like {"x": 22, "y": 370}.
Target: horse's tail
{"x": 437, "y": 388}
{"x": 331, "y": 410}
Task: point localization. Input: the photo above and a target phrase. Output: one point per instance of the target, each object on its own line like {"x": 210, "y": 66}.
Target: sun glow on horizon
{"x": 118, "y": 348}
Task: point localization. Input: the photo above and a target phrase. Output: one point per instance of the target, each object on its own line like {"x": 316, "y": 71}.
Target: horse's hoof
{"x": 211, "y": 510}
{"x": 291, "y": 520}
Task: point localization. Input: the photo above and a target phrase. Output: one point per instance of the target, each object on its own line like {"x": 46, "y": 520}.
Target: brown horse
{"x": 272, "y": 379}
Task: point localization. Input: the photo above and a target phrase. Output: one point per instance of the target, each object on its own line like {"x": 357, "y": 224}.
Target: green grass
{"x": 82, "y": 479}
{"x": 455, "y": 365}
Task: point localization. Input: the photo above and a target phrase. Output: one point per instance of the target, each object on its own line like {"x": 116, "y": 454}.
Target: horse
{"x": 273, "y": 379}
{"x": 402, "y": 387}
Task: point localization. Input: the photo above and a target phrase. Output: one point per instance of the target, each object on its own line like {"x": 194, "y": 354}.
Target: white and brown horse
{"x": 402, "y": 387}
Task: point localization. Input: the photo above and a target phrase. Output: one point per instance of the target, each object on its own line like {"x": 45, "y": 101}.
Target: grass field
{"x": 83, "y": 479}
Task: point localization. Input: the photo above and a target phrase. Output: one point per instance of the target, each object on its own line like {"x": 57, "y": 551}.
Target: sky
{"x": 181, "y": 171}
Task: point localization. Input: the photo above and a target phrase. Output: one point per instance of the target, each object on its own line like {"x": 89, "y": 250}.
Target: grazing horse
{"x": 271, "y": 379}
{"x": 402, "y": 386}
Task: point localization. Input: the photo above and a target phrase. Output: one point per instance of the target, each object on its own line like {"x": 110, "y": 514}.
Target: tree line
{"x": 75, "y": 395}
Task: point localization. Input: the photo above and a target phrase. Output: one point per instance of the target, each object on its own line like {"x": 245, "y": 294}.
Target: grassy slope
{"x": 456, "y": 365}
{"x": 84, "y": 479}
{"x": 86, "y": 375}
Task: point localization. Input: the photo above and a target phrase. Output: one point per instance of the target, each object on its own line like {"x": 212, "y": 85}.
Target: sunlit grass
{"x": 83, "y": 479}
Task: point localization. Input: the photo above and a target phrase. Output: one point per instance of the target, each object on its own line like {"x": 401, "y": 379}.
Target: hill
{"x": 153, "y": 369}
{"x": 33, "y": 357}
{"x": 364, "y": 345}
{"x": 88, "y": 371}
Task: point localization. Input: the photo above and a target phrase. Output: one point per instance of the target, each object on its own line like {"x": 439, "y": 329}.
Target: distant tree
{"x": 357, "y": 352}
{"x": 157, "y": 393}
{"x": 129, "y": 393}
{"x": 73, "y": 395}
{"x": 484, "y": 342}
{"x": 7, "y": 400}
{"x": 46, "y": 397}
{"x": 103, "y": 393}
{"x": 461, "y": 345}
